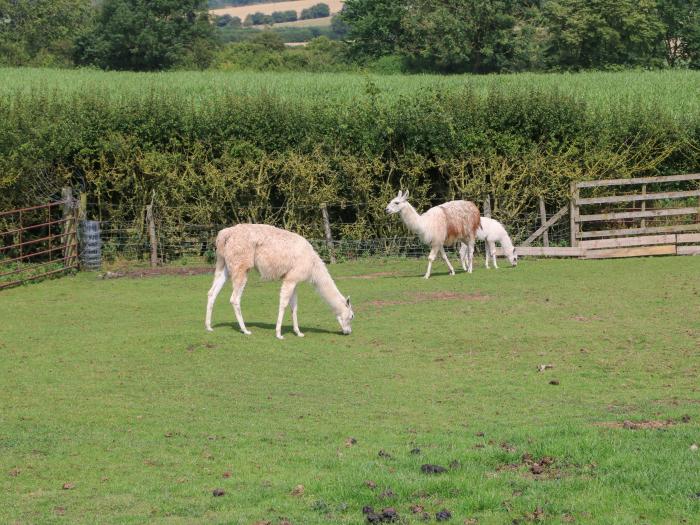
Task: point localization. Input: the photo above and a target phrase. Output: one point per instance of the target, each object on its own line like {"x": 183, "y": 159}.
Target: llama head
{"x": 345, "y": 317}
{"x": 397, "y": 203}
{"x": 512, "y": 257}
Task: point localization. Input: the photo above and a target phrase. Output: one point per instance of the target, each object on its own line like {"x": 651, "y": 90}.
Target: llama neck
{"x": 411, "y": 218}
{"x": 326, "y": 288}
{"x": 506, "y": 243}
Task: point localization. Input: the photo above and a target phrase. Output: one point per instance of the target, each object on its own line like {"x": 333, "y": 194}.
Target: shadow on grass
{"x": 285, "y": 329}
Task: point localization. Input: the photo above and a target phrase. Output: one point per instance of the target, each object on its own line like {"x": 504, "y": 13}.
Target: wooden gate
{"x": 665, "y": 221}
{"x": 606, "y": 221}
{"x": 38, "y": 242}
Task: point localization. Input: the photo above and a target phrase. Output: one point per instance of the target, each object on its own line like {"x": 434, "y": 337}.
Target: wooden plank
{"x": 620, "y": 242}
{"x": 692, "y": 249}
{"x": 638, "y": 231}
{"x": 688, "y": 237}
{"x": 664, "y": 212}
{"x": 637, "y": 198}
{"x": 554, "y": 218}
{"x": 543, "y": 221}
{"x": 638, "y": 180}
{"x": 574, "y": 211}
{"x": 541, "y": 251}
{"x": 639, "y": 251}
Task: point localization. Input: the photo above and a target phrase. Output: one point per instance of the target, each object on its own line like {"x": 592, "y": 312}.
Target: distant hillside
{"x": 215, "y": 4}
{"x": 241, "y": 11}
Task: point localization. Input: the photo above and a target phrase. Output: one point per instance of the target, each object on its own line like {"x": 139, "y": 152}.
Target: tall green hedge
{"x": 231, "y": 153}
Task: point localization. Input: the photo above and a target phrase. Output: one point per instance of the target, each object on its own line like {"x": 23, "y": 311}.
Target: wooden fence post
{"x": 327, "y": 228}
{"x": 69, "y": 239}
{"x": 644, "y": 205}
{"x": 573, "y": 214}
{"x": 487, "y": 206}
{"x": 153, "y": 240}
{"x": 543, "y": 221}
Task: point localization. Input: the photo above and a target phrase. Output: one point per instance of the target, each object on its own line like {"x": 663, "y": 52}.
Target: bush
{"x": 315, "y": 11}
{"x": 218, "y": 149}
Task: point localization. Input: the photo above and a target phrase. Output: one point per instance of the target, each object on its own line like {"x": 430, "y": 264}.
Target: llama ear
{"x": 347, "y": 301}
{"x": 400, "y": 194}
{"x": 405, "y": 196}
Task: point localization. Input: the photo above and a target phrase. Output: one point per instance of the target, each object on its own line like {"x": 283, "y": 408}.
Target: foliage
{"x": 517, "y": 35}
{"x": 115, "y": 387}
{"x": 147, "y": 36}
{"x": 319, "y": 10}
{"x": 220, "y": 148}
{"x": 599, "y": 33}
{"x": 40, "y": 32}
{"x": 681, "y": 19}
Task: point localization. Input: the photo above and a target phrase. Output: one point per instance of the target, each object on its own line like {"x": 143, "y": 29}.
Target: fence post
{"x": 327, "y": 228}
{"x": 153, "y": 240}
{"x": 644, "y": 204}
{"x": 69, "y": 239}
{"x": 487, "y": 206}
{"x": 573, "y": 214}
{"x": 543, "y": 220}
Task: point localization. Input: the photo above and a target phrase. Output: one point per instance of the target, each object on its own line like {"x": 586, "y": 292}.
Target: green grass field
{"x": 114, "y": 387}
{"x": 673, "y": 94}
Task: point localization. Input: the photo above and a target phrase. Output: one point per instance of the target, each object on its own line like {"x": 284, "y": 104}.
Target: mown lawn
{"x": 115, "y": 388}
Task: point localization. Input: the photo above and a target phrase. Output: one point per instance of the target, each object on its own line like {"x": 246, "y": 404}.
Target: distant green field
{"x": 675, "y": 94}
{"x": 117, "y": 407}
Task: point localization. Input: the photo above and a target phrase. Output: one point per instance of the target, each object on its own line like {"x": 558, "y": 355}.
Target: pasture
{"x": 118, "y": 407}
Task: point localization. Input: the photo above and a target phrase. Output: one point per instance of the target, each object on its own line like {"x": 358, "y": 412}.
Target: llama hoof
{"x": 280, "y": 337}
{"x": 452, "y": 273}
{"x": 299, "y": 334}
{"x": 247, "y": 332}
{"x": 210, "y": 329}
{"x": 426, "y": 277}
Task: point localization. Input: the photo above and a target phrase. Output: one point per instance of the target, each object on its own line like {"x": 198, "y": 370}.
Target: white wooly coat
{"x": 277, "y": 255}
{"x": 440, "y": 226}
{"x": 492, "y": 231}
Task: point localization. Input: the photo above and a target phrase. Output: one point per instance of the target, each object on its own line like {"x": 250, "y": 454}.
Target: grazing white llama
{"x": 492, "y": 231}
{"x": 440, "y": 226}
{"x": 280, "y": 255}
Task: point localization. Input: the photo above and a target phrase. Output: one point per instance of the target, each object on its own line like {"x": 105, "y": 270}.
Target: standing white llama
{"x": 280, "y": 255}
{"x": 492, "y": 231}
{"x": 440, "y": 226}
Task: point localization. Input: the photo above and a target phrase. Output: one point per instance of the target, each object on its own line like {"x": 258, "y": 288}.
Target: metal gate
{"x": 38, "y": 242}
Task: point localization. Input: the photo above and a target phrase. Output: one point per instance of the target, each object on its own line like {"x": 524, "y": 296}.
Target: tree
{"x": 149, "y": 35}
{"x": 447, "y": 36}
{"x": 681, "y": 19}
{"x": 40, "y": 31}
{"x": 374, "y": 25}
{"x": 599, "y": 33}
{"x": 464, "y": 35}
{"x": 315, "y": 11}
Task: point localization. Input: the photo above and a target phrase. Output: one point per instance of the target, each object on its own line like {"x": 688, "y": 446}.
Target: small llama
{"x": 280, "y": 255}
{"x": 492, "y": 231}
{"x": 440, "y": 226}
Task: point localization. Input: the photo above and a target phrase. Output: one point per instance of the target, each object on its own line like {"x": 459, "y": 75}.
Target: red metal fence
{"x": 37, "y": 242}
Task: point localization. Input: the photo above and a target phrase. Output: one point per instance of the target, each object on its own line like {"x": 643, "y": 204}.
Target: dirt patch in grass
{"x": 421, "y": 297}
{"x": 138, "y": 273}
{"x": 639, "y": 425}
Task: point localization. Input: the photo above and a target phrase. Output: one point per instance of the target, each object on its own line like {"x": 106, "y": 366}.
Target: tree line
{"x": 455, "y": 36}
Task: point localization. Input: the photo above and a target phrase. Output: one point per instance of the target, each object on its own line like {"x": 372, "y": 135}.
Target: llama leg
{"x": 293, "y": 305}
{"x": 493, "y": 254}
{"x": 220, "y": 276}
{"x": 488, "y": 254}
{"x": 471, "y": 255}
{"x": 239, "y": 281}
{"x": 431, "y": 258}
{"x": 286, "y": 293}
{"x": 447, "y": 261}
{"x": 463, "y": 256}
